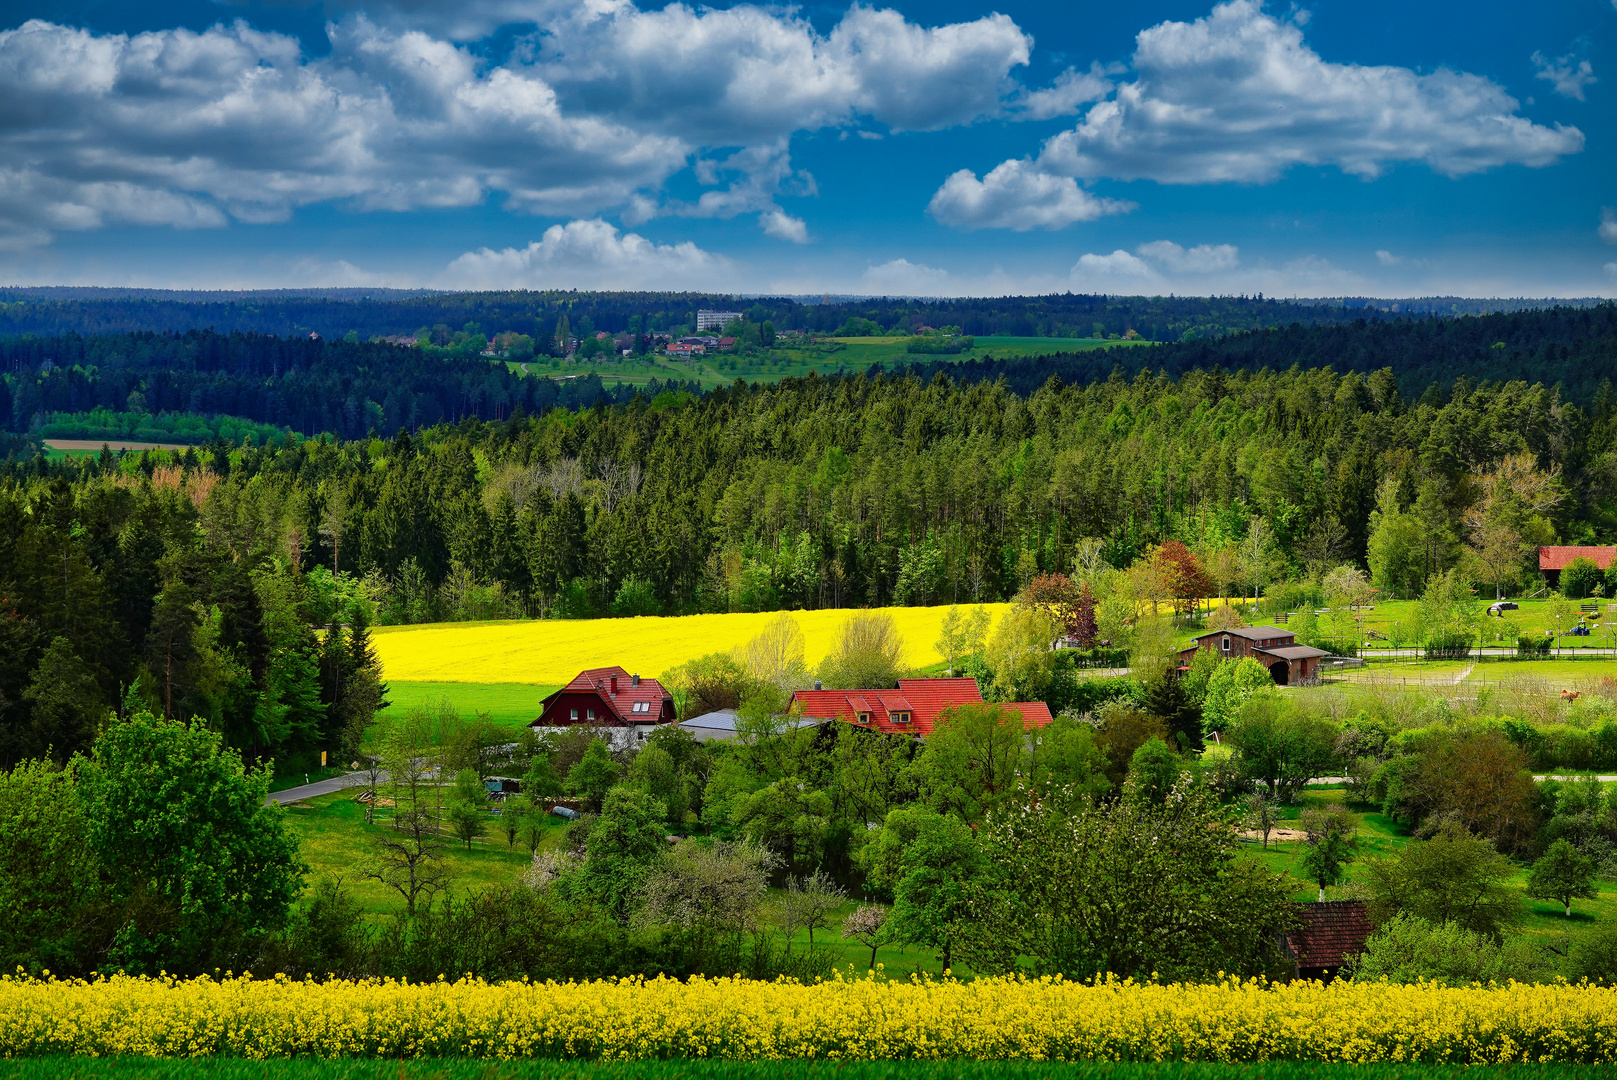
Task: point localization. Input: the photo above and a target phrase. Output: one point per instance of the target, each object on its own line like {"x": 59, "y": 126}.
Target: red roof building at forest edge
{"x": 913, "y": 709}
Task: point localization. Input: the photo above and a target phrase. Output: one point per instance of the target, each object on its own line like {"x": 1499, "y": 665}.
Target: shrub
{"x": 1409, "y": 949}
{"x": 1580, "y": 578}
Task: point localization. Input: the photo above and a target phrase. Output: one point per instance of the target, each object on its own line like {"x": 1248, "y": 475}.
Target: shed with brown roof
{"x": 1331, "y": 932}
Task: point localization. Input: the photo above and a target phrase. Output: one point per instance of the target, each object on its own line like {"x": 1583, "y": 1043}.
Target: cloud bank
{"x": 1237, "y": 96}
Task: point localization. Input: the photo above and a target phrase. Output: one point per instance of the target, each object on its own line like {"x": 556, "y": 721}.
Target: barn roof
{"x": 1331, "y": 931}
{"x": 1556, "y": 558}
{"x": 1251, "y": 633}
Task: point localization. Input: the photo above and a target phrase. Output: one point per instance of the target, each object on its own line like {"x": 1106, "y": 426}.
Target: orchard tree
{"x": 1331, "y": 840}
{"x": 929, "y": 863}
{"x": 1562, "y": 874}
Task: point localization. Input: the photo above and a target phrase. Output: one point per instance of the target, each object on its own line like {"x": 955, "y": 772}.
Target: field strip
{"x": 552, "y": 651}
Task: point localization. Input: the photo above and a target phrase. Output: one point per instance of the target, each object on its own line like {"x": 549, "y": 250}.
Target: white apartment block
{"x": 714, "y": 320}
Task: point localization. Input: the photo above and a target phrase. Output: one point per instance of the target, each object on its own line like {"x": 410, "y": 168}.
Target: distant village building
{"x": 1552, "y": 560}
{"x": 1274, "y": 648}
{"x": 715, "y": 320}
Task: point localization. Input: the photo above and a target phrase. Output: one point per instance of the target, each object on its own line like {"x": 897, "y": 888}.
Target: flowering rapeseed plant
{"x": 551, "y": 651}
{"x": 842, "y": 1018}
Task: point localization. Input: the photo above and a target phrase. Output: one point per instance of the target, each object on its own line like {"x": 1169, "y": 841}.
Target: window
{"x": 864, "y": 717}
{"x": 574, "y": 717}
{"x": 1226, "y": 643}
{"x": 590, "y": 713}
{"x": 901, "y": 718}
{"x": 642, "y": 706}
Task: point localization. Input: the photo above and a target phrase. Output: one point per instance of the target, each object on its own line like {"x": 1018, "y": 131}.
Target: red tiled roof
{"x": 924, "y": 699}
{"x": 1331, "y": 931}
{"x": 650, "y": 692}
{"x": 1556, "y": 558}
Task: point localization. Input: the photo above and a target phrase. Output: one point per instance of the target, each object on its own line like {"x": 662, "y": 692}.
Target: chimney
{"x": 634, "y": 680}
{"x": 817, "y": 685}
{"x": 614, "y": 686}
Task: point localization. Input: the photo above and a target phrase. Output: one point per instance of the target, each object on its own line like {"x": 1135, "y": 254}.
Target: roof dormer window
{"x": 901, "y": 717}
{"x": 863, "y": 718}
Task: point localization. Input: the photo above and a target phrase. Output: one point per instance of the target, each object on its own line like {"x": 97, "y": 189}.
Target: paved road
{"x": 321, "y": 787}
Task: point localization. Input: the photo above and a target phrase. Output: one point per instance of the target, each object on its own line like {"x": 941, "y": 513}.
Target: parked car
{"x": 1499, "y": 607}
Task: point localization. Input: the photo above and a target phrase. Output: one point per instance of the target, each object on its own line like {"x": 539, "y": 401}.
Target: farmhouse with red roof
{"x": 913, "y": 709}
{"x": 1552, "y": 560}
{"x": 609, "y": 697}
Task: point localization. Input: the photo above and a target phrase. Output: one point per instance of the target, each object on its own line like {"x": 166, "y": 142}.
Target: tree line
{"x": 46, "y": 314}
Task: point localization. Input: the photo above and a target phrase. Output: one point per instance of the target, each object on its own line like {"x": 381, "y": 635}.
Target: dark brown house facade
{"x": 1271, "y": 646}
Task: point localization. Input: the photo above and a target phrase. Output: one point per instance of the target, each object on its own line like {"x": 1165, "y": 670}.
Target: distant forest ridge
{"x": 352, "y": 389}
{"x": 370, "y": 313}
{"x": 1573, "y": 349}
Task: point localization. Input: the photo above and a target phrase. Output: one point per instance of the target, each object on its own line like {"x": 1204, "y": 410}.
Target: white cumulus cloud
{"x": 1239, "y": 96}
{"x": 1567, "y": 74}
{"x": 590, "y": 254}
{"x": 900, "y": 277}
{"x": 1608, "y": 220}
{"x": 1017, "y": 195}
{"x": 1201, "y": 259}
{"x": 593, "y": 110}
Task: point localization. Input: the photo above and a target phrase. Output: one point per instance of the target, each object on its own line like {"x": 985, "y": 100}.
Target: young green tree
{"x": 49, "y": 880}
{"x": 594, "y": 775}
{"x": 868, "y": 654}
{"x": 202, "y": 869}
{"x": 1128, "y": 887}
{"x": 467, "y": 807}
{"x": 974, "y": 760}
{"x": 1331, "y": 843}
{"x": 807, "y": 904}
{"x": 624, "y": 845}
{"x": 929, "y": 863}
{"x": 1153, "y": 771}
{"x": 1452, "y": 877}
{"x": 1562, "y": 874}
{"x": 408, "y": 856}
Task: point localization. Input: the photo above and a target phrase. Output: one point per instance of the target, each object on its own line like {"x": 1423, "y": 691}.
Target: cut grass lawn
{"x": 334, "y": 840}
{"x": 510, "y": 705}
{"x": 70, "y": 1068}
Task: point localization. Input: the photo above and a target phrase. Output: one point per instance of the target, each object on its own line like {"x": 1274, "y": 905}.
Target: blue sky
{"x": 1368, "y": 148}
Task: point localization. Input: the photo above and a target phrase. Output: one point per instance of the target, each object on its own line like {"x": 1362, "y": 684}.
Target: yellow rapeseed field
{"x": 863, "y": 1018}
{"x": 554, "y": 650}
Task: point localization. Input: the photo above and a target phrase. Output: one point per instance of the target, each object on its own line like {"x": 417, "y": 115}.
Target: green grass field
{"x": 509, "y": 705}
{"x": 840, "y": 354}
{"x": 334, "y": 840}
{"x": 1380, "y": 836}
{"x": 65, "y": 1068}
